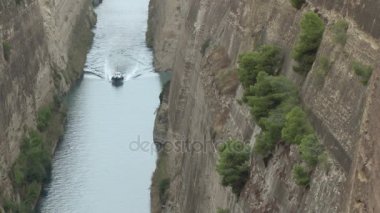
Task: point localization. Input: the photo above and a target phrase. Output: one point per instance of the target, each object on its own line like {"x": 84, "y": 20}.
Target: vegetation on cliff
{"x": 233, "y": 164}
{"x": 363, "y": 71}
{"x": 297, "y": 3}
{"x": 7, "y": 50}
{"x": 274, "y": 104}
{"x": 43, "y": 118}
{"x": 33, "y": 165}
{"x": 266, "y": 59}
{"x": 305, "y": 51}
{"x": 296, "y": 126}
{"x": 31, "y": 168}
{"x": 340, "y": 32}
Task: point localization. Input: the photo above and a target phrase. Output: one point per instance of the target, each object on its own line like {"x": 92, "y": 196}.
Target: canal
{"x": 105, "y": 160}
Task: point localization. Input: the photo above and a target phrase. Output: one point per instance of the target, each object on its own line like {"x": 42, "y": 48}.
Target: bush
{"x": 233, "y": 165}
{"x": 266, "y": 59}
{"x": 296, "y": 126}
{"x": 7, "y": 50}
{"x": 297, "y": 3}
{"x": 301, "y": 176}
{"x": 310, "y": 150}
{"x": 312, "y": 28}
{"x": 363, "y": 71}
{"x": 163, "y": 187}
{"x": 43, "y": 118}
{"x": 340, "y": 32}
{"x": 323, "y": 68}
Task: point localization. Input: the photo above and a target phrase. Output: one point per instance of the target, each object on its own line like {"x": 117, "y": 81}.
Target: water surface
{"x": 97, "y": 168}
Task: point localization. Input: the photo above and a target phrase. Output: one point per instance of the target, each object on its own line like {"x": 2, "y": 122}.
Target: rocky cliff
{"x": 43, "y": 49}
{"x": 200, "y": 41}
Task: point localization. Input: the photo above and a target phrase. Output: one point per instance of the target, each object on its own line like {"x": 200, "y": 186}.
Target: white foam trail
{"x": 131, "y": 74}
{"x": 107, "y": 70}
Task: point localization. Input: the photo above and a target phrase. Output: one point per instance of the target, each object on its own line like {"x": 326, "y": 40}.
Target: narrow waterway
{"x": 99, "y": 166}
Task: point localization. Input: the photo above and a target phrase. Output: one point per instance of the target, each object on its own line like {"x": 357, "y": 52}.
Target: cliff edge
{"x": 200, "y": 42}
{"x": 43, "y": 50}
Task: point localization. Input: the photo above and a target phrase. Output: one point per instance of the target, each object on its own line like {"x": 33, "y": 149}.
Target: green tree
{"x": 310, "y": 150}
{"x": 296, "y": 126}
{"x": 270, "y": 92}
{"x": 266, "y": 59}
{"x": 233, "y": 165}
{"x": 312, "y": 28}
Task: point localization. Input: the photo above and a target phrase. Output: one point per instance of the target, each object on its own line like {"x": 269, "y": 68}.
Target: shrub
{"x": 310, "y": 150}
{"x": 297, "y": 3}
{"x": 301, "y": 176}
{"x": 267, "y": 59}
{"x": 7, "y": 50}
{"x": 43, "y": 118}
{"x": 340, "y": 32}
{"x": 312, "y": 28}
{"x": 296, "y": 126}
{"x": 363, "y": 71}
{"x": 233, "y": 165}
{"x": 323, "y": 68}
{"x": 163, "y": 187}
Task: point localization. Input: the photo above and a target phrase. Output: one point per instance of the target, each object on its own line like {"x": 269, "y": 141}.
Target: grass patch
{"x": 305, "y": 51}
{"x": 233, "y": 165}
{"x": 363, "y": 71}
{"x": 324, "y": 66}
{"x": 7, "y": 50}
{"x": 301, "y": 175}
{"x": 43, "y": 117}
{"x": 340, "y": 32}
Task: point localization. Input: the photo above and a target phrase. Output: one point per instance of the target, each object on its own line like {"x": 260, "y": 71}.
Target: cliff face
{"x": 43, "y": 49}
{"x": 200, "y": 41}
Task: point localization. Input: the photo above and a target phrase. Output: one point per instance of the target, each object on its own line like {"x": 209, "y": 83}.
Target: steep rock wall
{"x": 202, "y": 108}
{"x": 47, "y": 42}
